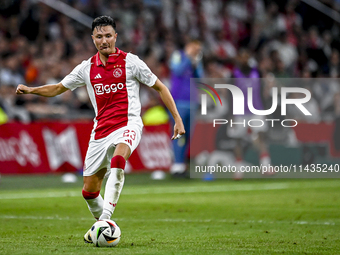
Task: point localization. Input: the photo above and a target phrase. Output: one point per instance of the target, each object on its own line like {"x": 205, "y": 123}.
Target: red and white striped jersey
{"x": 113, "y": 89}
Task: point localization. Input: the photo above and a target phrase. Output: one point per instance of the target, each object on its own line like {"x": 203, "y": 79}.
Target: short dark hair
{"x": 103, "y": 21}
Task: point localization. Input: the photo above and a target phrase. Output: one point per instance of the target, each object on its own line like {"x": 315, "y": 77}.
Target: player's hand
{"x": 178, "y": 130}
{"x": 22, "y": 89}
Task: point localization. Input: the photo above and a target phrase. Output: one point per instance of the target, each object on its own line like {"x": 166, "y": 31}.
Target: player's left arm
{"x": 170, "y": 104}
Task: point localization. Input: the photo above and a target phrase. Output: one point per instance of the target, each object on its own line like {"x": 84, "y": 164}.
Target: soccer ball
{"x": 105, "y": 233}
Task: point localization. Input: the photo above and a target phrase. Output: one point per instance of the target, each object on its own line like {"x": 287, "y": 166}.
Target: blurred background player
{"x": 246, "y": 75}
{"x": 185, "y": 64}
{"x": 112, "y": 80}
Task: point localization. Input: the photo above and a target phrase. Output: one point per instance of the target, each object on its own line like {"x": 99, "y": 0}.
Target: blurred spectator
{"x": 185, "y": 64}
{"x": 222, "y": 49}
{"x": 286, "y": 39}
{"x": 10, "y": 73}
{"x": 268, "y": 25}
{"x": 334, "y": 64}
{"x": 287, "y": 52}
{"x": 279, "y": 70}
{"x": 247, "y": 76}
{"x": 292, "y": 22}
{"x": 216, "y": 71}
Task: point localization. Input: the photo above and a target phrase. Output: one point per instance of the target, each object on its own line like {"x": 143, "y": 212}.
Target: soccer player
{"x": 112, "y": 79}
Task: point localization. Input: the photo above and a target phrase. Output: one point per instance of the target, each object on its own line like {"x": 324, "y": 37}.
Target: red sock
{"x": 118, "y": 162}
{"x": 90, "y": 195}
{"x": 238, "y": 159}
{"x": 264, "y": 154}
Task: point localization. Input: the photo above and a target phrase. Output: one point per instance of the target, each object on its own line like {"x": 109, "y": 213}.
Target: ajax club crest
{"x": 117, "y": 72}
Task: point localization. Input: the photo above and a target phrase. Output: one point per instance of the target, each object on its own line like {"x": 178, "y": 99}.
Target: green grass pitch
{"x": 40, "y": 215}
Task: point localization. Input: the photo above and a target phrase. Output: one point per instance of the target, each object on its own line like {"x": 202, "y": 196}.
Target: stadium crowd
{"x": 38, "y": 45}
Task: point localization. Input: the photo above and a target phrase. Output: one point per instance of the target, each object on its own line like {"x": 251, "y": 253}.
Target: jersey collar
{"x": 111, "y": 58}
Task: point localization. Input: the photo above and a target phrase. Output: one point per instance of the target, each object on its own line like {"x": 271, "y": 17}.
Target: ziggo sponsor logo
{"x": 101, "y": 88}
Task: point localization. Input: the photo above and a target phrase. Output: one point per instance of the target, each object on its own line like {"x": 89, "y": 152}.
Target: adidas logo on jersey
{"x": 98, "y": 76}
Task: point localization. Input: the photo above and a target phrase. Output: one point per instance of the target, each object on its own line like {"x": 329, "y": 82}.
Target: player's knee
{"x": 90, "y": 195}
{"x": 118, "y": 162}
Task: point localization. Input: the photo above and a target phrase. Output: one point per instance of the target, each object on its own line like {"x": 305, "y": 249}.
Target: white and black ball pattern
{"x": 105, "y": 233}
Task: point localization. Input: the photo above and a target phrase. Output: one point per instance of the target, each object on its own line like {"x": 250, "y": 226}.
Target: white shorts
{"x": 100, "y": 152}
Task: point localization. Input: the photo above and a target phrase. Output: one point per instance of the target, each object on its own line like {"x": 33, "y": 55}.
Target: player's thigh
{"x": 123, "y": 150}
{"x": 100, "y": 152}
{"x": 127, "y": 140}
{"x": 97, "y": 155}
{"x": 96, "y": 163}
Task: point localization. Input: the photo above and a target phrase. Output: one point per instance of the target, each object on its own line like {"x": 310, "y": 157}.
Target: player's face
{"x": 244, "y": 58}
{"x": 104, "y": 38}
{"x": 197, "y": 48}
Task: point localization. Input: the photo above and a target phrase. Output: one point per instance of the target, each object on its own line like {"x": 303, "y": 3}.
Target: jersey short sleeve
{"x": 76, "y": 78}
{"x": 141, "y": 71}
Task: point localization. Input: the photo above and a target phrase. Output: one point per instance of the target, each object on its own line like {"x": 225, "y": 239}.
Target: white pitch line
{"x": 325, "y": 223}
{"x": 166, "y": 190}
{"x": 206, "y": 189}
{"x": 155, "y": 190}
{"x": 42, "y": 194}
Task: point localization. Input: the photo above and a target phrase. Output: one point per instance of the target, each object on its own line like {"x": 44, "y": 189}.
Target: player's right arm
{"x": 50, "y": 90}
